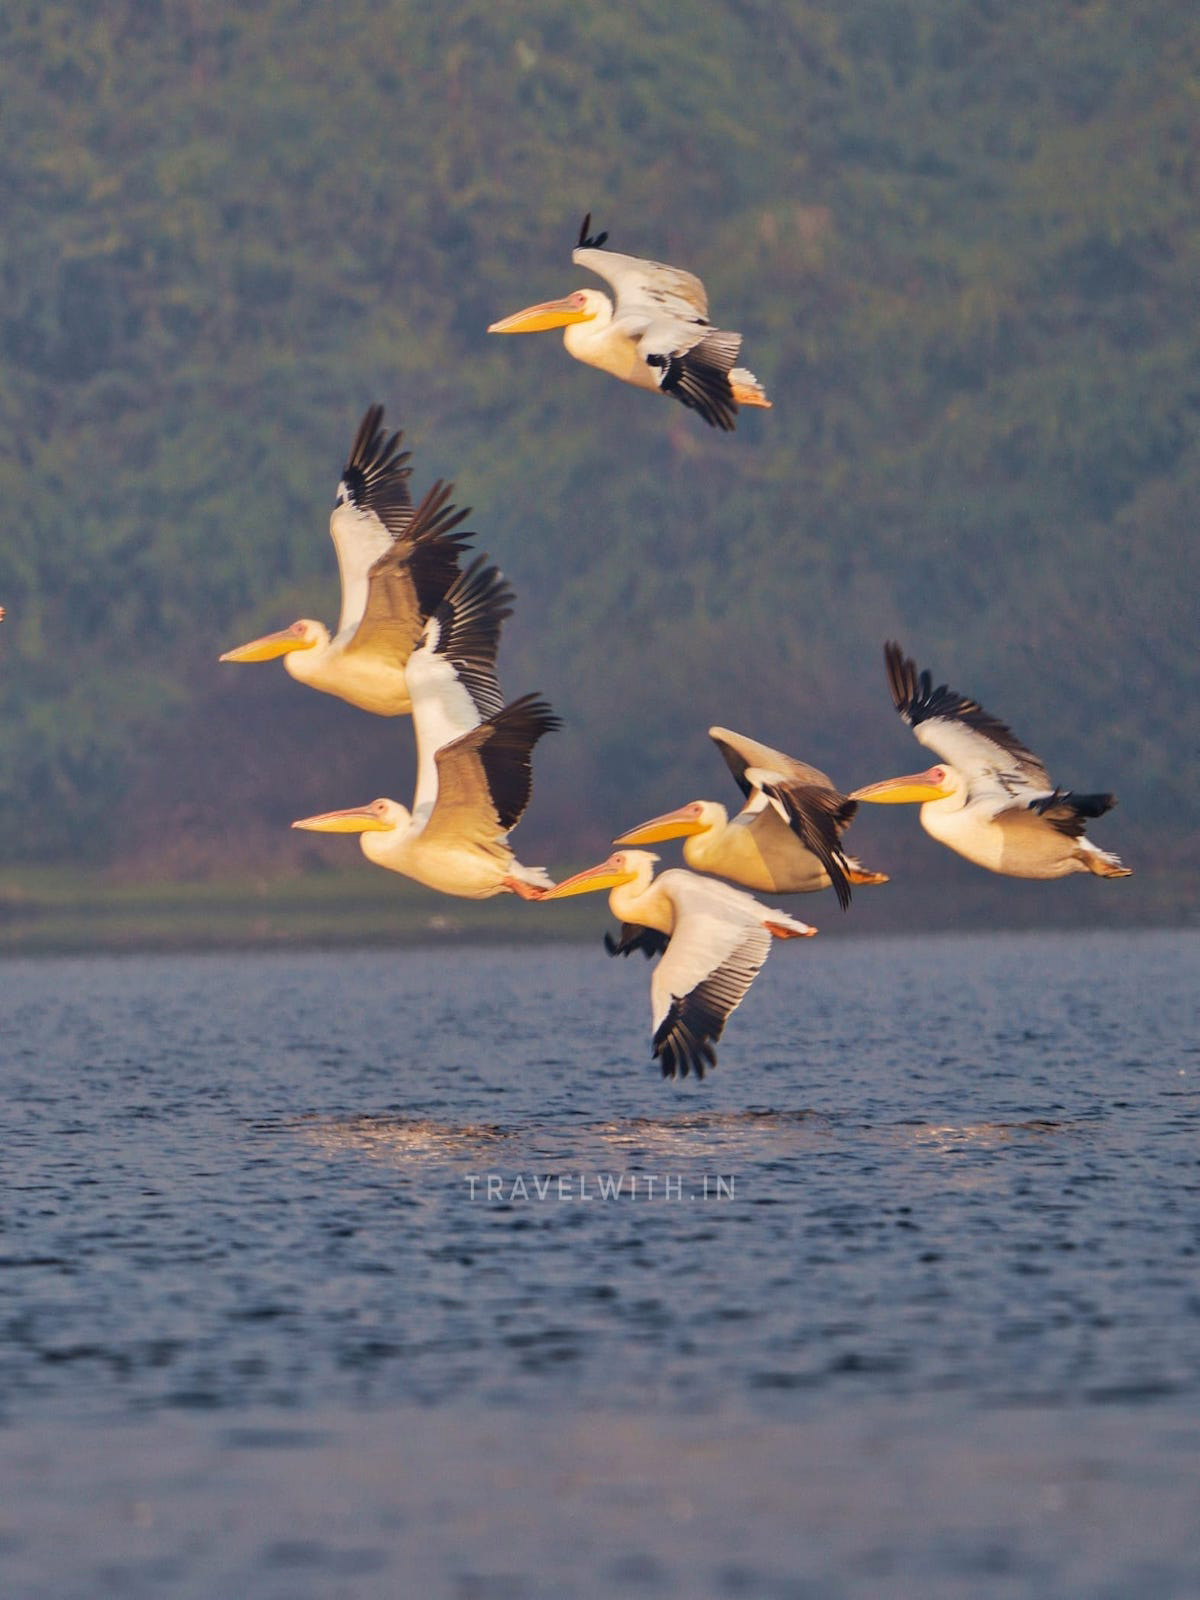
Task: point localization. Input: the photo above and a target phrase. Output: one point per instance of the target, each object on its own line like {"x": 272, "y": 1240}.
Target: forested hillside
{"x": 961, "y": 240}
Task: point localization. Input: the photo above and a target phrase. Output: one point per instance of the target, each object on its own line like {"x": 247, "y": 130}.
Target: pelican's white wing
{"x": 648, "y": 291}
{"x": 451, "y": 676}
{"x": 409, "y": 581}
{"x": 718, "y": 943}
{"x": 801, "y": 796}
{"x": 373, "y": 507}
{"x": 987, "y": 752}
{"x": 484, "y": 778}
{"x": 740, "y": 752}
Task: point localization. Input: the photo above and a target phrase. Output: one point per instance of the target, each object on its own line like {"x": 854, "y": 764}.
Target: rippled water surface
{"x": 310, "y": 1283}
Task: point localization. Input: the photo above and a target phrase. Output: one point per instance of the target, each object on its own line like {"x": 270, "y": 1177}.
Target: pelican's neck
{"x": 640, "y": 901}
{"x": 934, "y": 812}
{"x": 701, "y": 848}
{"x": 596, "y": 342}
{"x": 385, "y": 848}
{"x": 305, "y": 665}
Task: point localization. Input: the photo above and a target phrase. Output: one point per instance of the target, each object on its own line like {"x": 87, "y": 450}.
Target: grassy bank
{"x": 55, "y": 910}
{"x": 52, "y": 910}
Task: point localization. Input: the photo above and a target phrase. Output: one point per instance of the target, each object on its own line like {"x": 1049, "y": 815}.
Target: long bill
{"x": 671, "y": 825}
{"x": 357, "y": 819}
{"x": 605, "y": 876}
{"x": 917, "y": 788}
{"x": 268, "y": 647}
{"x": 539, "y": 318}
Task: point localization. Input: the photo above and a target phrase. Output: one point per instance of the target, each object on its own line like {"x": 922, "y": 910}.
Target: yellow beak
{"x": 537, "y": 319}
{"x": 269, "y": 646}
{"x": 605, "y": 876}
{"x": 356, "y": 820}
{"x": 671, "y": 825}
{"x": 916, "y": 789}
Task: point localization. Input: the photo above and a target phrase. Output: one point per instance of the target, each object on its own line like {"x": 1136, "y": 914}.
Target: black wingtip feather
{"x": 506, "y": 742}
{"x": 1069, "y": 812}
{"x": 469, "y": 619}
{"x": 377, "y": 472}
{"x": 586, "y": 243}
{"x": 816, "y": 816}
{"x": 699, "y": 378}
{"x": 917, "y": 701}
{"x": 685, "y": 1042}
{"x": 634, "y": 937}
{"x": 431, "y": 542}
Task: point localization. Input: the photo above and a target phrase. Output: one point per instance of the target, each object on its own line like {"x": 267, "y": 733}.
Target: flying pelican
{"x": 784, "y": 840}
{"x": 396, "y": 564}
{"x": 989, "y": 798}
{"x": 473, "y": 759}
{"x": 713, "y": 940}
{"x": 657, "y": 337}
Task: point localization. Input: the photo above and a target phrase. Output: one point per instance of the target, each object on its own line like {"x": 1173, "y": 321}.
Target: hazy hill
{"x": 960, "y": 239}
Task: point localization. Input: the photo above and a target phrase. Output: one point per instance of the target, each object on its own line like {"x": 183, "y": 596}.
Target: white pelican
{"x": 657, "y": 337}
{"x": 989, "y": 798}
{"x": 396, "y": 564}
{"x": 716, "y": 939}
{"x": 473, "y": 759}
{"x": 784, "y": 840}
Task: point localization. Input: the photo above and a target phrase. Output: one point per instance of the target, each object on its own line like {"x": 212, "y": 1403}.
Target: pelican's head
{"x": 939, "y": 783}
{"x": 623, "y": 866}
{"x": 697, "y": 817}
{"x": 381, "y": 816}
{"x": 583, "y": 305}
{"x": 304, "y": 634}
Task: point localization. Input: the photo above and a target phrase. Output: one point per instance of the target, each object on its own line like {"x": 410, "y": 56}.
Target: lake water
{"x": 308, "y": 1286}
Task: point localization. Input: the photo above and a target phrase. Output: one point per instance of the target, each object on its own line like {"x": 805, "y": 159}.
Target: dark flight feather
{"x": 699, "y": 377}
{"x": 686, "y": 1038}
{"x": 633, "y": 936}
{"x": 586, "y": 243}
{"x": 504, "y": 744}
{"x": 468, "y": 621}
{"x": 817, "y": 816}
{"x": 917, "y": 701}
{"x": 1069, "y": 813}
{"x": 376, "y": 475}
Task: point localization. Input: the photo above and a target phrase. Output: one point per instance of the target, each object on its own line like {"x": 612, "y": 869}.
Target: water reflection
{"x": 752, "y": 1134}
{"x": 951, "y": 1136}
{"x": 690, "y": 1135}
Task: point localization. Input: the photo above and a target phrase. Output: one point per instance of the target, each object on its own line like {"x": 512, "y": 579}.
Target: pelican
{"x": 713, "y": 940}
{"x": 784, "y": 840}
{"x": 396, "y": 564}
{"x": 657, "y": 337}
{"x": 473, "y": 759}
{"x": 989, "y": 798}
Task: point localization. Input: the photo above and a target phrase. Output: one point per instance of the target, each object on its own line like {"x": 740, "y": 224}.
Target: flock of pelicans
{"x": 418, "y": 634}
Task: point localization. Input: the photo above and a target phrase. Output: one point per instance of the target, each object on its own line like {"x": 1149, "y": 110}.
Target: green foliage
{"x": 960, "y": 239}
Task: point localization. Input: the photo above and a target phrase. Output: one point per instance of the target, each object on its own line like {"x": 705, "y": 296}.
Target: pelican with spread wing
{"x": 712, "y": 940}
{"x": 657, "y": 336}
{"x": 786, "y": 839}
{"x": 989, "y": 798}
{"x": 396, "y": 563}
{"x": 474, "y": 773}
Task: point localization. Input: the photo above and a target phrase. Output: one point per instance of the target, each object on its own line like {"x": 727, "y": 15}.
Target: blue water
{"x": 308, "y": 1287}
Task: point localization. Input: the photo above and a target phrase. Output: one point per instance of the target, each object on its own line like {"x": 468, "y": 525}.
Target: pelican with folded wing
{"x": 786, "y": 839}
{"x": 474, "y": 773}
{"x": 657, "y": 336}
{"x": 989, "y": 798}
{"x": 713, "y": 940}
{"x": 396, "y": 564}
